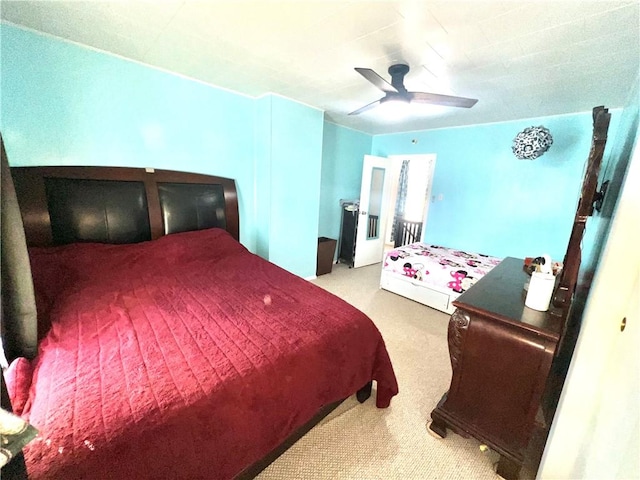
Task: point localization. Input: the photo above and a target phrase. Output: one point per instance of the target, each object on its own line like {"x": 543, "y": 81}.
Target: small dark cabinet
{"x": 326, "y": 251}
{"x": 501, "y": 354}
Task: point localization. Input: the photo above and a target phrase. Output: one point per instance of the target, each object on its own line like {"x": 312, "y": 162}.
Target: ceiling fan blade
{"x": 445, "y": 100}
{"x": 376, "y": 79}
{"x": 365, "y": 108}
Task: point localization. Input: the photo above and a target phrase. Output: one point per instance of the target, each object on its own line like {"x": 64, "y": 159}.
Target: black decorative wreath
{"x": 532, "y": 142}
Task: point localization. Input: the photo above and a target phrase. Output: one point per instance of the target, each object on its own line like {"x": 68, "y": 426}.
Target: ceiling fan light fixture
{"x": 395, "y": 108}
{"x": 427, "y": 110}
{"x": 395, "y": 99}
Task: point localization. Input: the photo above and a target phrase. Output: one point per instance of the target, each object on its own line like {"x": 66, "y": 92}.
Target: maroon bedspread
{"x": 185, "y": 357}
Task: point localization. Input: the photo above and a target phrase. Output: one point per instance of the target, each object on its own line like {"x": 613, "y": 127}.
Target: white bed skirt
{"x": 418, "y": 291}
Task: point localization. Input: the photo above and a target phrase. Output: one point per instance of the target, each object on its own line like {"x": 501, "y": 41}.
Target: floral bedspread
{"x": 447, "y": 269}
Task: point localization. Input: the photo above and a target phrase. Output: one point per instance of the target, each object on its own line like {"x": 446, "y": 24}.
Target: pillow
{"x": 18, "y": 380}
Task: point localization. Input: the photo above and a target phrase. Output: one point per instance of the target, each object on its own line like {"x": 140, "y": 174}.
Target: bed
{"x": 433, "y": 275}
{"x": 165, "y": 348}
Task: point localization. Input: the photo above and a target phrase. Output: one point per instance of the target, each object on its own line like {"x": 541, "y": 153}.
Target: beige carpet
{"x": 363, "y": 442}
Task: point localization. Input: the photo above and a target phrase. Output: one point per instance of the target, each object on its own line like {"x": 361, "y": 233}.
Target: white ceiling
{"x": 521, "y": 59}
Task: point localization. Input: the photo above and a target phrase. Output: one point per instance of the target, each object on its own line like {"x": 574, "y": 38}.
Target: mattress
{"x": 446, "y": 272}
{"x": 184, "y": 357}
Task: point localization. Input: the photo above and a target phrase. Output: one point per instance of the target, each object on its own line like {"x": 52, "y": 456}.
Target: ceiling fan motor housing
{"x": 397, "y": 73}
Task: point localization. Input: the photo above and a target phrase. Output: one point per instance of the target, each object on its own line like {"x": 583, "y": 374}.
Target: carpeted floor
{"x": 362, "y": 442}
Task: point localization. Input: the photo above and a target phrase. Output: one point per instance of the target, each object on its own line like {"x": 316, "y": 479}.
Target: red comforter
{"x": 185, "y": 357}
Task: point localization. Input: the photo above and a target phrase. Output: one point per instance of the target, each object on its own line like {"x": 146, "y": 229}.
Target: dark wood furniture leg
{"x": 364, "y": 393}
{"x": 508, "y": 469}
{"x": 252, "y": 471}
{"x": 437, "y": 429}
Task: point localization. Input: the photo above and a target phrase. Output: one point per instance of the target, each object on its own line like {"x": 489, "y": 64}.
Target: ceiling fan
{"x": 396, "y": 91}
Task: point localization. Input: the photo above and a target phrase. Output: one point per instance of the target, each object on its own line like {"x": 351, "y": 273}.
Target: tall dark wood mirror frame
{"x": 565, "y": 289}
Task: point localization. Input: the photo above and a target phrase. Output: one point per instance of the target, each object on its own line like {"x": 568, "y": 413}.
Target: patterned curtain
{"x": 401, "y": 199}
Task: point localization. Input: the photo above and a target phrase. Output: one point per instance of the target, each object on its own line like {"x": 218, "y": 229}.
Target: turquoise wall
{"x": 262, "y": 170}
{"x": 492, "y": 202}
{"x": 67, "y": 105}
{"x": 63, "y": 104}
{"x": 287, "y": 182}
{"x": 296, "y": 155}
{"x": 343, "y": 151}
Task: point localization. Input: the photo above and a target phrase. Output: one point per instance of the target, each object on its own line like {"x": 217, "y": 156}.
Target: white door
{"x": 373, "y": 211}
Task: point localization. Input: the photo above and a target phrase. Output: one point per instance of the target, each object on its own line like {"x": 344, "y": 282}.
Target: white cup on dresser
{"x": 540, "y": 291}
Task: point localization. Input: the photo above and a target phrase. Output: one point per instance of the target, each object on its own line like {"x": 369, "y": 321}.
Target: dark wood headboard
{"x": 61, "y": 205}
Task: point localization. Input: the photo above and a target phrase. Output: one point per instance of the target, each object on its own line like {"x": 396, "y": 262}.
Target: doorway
{"x": 412, "y": 213}
{"x": 392, "y": 212}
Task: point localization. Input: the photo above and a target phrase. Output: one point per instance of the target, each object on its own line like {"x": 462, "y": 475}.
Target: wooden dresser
{"x": 501, "y": 354}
